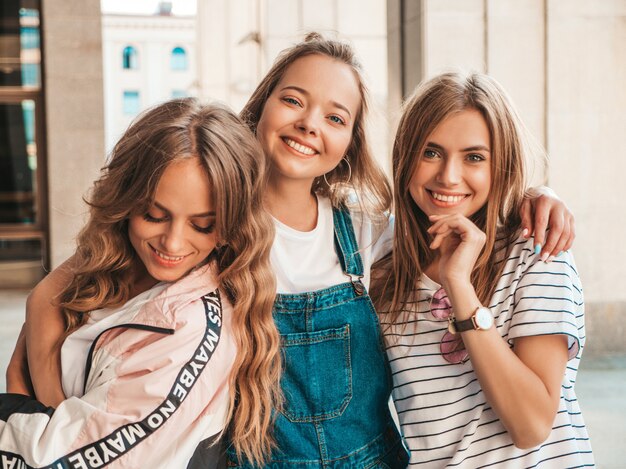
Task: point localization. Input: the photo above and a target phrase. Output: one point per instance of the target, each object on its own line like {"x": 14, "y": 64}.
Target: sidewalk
{"x": 600, "y": 387}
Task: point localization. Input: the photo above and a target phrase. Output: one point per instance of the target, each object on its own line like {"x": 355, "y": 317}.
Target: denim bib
{"x": 336, "y": 379}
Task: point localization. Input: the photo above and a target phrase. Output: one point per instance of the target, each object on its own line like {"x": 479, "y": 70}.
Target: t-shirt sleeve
{"x": 548, "y": 299}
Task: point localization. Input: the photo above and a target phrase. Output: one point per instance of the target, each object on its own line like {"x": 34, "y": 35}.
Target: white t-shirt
{"x": 307, "y": 261}
{"x": 444, "y": 415}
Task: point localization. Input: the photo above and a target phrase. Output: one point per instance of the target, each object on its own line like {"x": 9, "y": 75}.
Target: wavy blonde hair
{"x": 367, "y": 178}
{"x": 511, "y": 149}
{"x": 236, "y": 168}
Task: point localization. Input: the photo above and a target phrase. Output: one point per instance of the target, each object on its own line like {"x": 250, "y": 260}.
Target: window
{"x": 30, "y": 74}
{"x": 131, "y": 104}
{"x": 130, "y": 59}
{"x": 29, "y": 37}
{"x": 178, "y": 60}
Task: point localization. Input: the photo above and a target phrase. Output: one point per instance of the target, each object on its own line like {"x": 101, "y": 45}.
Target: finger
{"x": 526, "y": 215}
{"x": 540, "y": 222}
{"x": 570, "y": 220}
{"x": 439, "y": 238}
{"x": 554, "y": 235}
{"x": 559, "y": 247}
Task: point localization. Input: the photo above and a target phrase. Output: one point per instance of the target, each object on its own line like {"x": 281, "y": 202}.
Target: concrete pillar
{"x": 74, "y": 115}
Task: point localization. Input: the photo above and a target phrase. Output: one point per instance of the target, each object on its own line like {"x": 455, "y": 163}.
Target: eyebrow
{"x": 199, "y": 215}
{"x": 473, "y": 148}
{"x": 306, "y": 93}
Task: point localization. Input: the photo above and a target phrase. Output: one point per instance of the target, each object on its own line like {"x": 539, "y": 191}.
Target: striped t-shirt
{"x": 445, "y": 418}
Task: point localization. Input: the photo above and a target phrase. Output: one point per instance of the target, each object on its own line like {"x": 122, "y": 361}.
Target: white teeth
{"x": 168, "y": 258}
{"x": 299, "y": 148}
{"x": 447, "y": 198}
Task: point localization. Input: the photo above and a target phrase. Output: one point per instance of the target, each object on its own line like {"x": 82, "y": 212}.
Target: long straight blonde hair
{"x": 363, "y": 172}
{"x": 511, "y": 148}
{"x": 236, "y": 169}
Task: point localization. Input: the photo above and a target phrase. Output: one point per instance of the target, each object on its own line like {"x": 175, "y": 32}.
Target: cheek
{"x": 136, "y": 230}
{"x": 416, "y": 183}
{"x": 206, "y": 243}
{"x": 484, "y": 181}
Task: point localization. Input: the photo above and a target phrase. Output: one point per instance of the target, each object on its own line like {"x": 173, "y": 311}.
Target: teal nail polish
{"x": 537, "y": 249}
{"x": 559, "y": 254}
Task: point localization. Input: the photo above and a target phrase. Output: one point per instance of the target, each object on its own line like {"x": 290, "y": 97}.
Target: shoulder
{"x": 522, "y": 254}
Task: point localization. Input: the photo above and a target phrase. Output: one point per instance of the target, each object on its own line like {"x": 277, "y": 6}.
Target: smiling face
{"x": 178, "y": 231}
{"x": 307, "y": 121}
{"x": 454, "y": 172}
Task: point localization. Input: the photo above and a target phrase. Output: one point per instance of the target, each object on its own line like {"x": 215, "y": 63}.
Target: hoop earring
{"x": 349, "y": 172}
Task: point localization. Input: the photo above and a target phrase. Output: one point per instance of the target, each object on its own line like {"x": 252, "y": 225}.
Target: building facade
{"x": 147, "y": 59}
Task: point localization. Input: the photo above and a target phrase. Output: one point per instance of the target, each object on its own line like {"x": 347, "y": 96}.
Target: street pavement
{"x": 600, "y": 387}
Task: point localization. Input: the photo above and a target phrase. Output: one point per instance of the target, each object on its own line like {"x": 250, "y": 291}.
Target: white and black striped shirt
{"x": 445, "y": 418}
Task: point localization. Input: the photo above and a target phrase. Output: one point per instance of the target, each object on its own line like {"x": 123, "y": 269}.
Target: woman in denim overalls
{"x": 308, "y": 115}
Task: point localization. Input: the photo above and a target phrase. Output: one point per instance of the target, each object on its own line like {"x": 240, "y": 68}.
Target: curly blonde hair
{"x": 511, "y": 147}
{"x": 363, "y": 173}
{"x": 236, "y": 168}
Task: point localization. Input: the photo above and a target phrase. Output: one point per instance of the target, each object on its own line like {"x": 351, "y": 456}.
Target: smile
{"x": 166, "y": 258}
{"x": 447, "y": 199}
{"x": 299, "y": 147}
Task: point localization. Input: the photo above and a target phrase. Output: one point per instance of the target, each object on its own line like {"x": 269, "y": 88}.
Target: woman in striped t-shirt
{"x": 484, "y": 334}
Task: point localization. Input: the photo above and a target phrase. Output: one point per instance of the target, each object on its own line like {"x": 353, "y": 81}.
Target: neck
{"x": 141, "y": 281}
{"x": 432, "y": 271}
{"x": 292, "y": 203}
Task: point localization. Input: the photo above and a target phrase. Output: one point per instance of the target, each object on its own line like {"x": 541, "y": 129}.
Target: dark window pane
{"x": 130, "y": 60}
{"x": 18, "y": 163}
{"x": 20, "y": 55}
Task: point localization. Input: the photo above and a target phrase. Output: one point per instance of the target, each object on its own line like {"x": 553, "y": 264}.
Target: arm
{"x": 17, "y": 375}
{"x": 163, "y": 387}
{"x": 542, "y": 209}
{"x": 44, "y": 333}
{"x": 521, "y": 384}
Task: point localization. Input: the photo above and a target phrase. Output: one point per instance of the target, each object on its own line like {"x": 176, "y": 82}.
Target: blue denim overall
{"x": 336, "y": 380}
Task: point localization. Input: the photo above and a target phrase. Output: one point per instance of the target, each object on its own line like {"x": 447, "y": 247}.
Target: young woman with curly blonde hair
{"x": 167, "y": 308}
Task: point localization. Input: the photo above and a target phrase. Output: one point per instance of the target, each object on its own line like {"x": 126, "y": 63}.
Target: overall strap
{"x": 345, "y": 243}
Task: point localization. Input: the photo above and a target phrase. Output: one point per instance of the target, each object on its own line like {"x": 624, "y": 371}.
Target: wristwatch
{"x": 482, "y": 319}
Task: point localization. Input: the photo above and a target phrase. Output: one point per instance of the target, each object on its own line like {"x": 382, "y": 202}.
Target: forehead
{"x": 184, "y": 186}
{"x": 464, "y": 128}
{"x": 325, "y": 78}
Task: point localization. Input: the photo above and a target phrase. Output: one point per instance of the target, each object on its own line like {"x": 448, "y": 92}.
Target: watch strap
{"x": 468, "y": 324}
{"x": 464, "y": 325}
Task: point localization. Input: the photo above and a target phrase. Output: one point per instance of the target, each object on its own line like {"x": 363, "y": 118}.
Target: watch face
{"x": 484, "y": 318}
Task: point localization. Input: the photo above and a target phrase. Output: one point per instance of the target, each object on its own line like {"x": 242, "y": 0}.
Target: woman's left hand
{"x": 542, "y": 209}
{"x": 460, "y": 242}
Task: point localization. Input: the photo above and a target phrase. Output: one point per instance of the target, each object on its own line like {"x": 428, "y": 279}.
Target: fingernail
{"x": 537, "y": 249}
{"x": 559, "y": 254}
{"x": 550, "y": 259}
{"x": 525, "y": 233}
{"x": 544, "y": 257}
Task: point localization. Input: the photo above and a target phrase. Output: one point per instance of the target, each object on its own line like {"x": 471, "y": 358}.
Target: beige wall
{"x": 238, "y": 40}
{"x": 74, "y": 114}
{"x": 564, "y": 65}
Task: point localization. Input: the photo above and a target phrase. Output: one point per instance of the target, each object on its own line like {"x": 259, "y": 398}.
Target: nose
{"x": 173, "y": 238}
{"x": 450, "y": 172}
{"x": 308, "y": 122}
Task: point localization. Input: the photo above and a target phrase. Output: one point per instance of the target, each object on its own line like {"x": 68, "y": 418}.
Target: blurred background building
{"x": 71, "y": 79}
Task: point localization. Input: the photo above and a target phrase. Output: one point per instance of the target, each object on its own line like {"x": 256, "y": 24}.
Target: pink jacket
{"x": 156, "y": 386}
